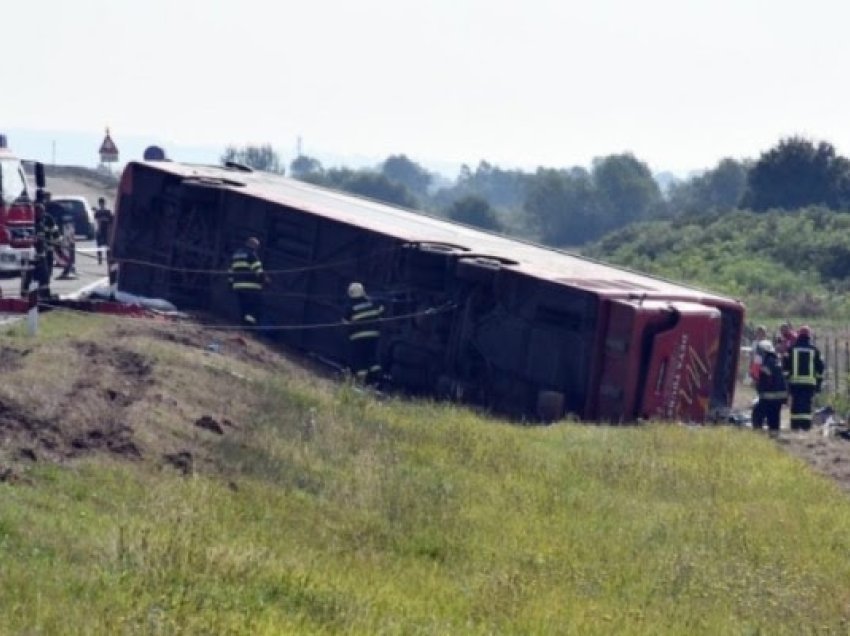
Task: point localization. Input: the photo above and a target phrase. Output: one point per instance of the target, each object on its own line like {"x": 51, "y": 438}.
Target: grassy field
{"x": 317, "y": 509}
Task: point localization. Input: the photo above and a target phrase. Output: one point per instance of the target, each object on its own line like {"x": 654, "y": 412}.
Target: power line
{"x": 431, "y": 311}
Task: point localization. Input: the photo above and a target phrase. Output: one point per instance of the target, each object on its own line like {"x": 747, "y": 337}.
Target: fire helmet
{"x": 355, "y": 290}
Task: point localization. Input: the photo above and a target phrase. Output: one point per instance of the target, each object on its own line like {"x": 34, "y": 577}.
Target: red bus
{"x": 519, "y": 328}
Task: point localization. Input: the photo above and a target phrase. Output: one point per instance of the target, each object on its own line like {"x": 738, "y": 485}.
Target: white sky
{"x": 680, "y": 83}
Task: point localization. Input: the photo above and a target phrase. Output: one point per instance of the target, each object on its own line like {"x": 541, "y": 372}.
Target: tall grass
{"x": 332, "y": 512}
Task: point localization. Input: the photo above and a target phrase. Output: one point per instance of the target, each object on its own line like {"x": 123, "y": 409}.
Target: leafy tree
{"x": 717, "y": 191}
{"x": 473, "y": 210}
{"x": 565, "y": 207}
{"x": 404, "y": 171}
{"x": 627, "y": 189}
{"x": 503, "y": 188}
{"x": 797, "y": 173}
{"x": 303, "y": 166}
{"x": 262, "y": 157}
{"x": 373, "y": 185}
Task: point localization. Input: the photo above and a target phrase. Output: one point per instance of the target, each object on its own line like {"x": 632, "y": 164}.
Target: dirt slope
{"x": 133, "y": 390}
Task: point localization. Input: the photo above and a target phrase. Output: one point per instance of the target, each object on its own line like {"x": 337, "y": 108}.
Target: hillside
{"x": 155, "y": 483}
{"x": 781, "y": 264}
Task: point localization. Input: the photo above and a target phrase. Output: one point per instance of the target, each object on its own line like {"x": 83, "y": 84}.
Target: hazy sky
{"x": 679, "y": 83}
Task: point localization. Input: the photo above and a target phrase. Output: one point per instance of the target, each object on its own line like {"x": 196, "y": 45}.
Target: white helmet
{"x": 766, "y": 346}
{"x": 355, "y": 290}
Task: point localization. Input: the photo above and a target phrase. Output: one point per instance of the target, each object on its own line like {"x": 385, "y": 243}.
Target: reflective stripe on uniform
{"x": 773, "y": 395}
{"x": 364, "y": 334}
{"x": 246, "y": 271}
{"x": 363, "y": 315}
{"x": 241, "y": 262}
{"x": 807, "y": 376}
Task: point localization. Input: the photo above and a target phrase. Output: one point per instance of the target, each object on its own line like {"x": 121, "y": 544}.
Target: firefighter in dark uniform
{"x": 772, "y": 388}
{"x": 38, "y": 267}
{"x": 103, "y": 217}
{"x": 247, "y": 280}
{"x": 804, "y": 369}
{"x": 53, "y": 239}
{"x": 52, "y": 234}
{"x": 364, "y": 334}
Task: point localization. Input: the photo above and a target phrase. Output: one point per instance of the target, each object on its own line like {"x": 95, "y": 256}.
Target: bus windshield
{"x": 13, "y": 183}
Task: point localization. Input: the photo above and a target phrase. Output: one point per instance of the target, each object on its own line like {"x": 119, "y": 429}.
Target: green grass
{"x": 334, "y": 513}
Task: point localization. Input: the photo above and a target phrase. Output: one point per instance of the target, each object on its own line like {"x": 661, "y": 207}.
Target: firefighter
{"x": 103, "y": 217}
{"x": 772, "y": 388}
{"x": 804, "y": 369}
{"x": 38, "y": 267}
{"x": 786, "y": 339}
{"x": 67, "y": 241}
{"x": 52, "y": 239}
{"x": 364, "y": 334}
{"x": 247, "y": 280}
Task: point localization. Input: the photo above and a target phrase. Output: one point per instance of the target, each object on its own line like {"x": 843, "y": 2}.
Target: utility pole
{"x": 53, "y": 155}
{"x": 298, "y": 147}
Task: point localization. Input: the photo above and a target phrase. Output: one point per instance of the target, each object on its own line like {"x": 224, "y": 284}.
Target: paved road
{"x": 88, "y": 273}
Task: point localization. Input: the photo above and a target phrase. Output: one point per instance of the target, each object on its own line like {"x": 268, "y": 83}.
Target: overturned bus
{"x": 524, "y": 330}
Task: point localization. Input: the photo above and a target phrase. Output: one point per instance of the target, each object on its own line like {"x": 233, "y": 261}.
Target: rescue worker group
{"x": 247, "y": 280}
{"x": 790, "y": 366}
{"x": 54, "y": 238}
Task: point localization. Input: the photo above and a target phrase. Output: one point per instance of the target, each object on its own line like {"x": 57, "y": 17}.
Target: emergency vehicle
{"x": 17, "y": 212}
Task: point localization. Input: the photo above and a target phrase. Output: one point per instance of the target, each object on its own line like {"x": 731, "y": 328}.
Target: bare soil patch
{"x": 829, "y": 456}
{"x": 143, "y": 391}
{"x": 91, "y": 416}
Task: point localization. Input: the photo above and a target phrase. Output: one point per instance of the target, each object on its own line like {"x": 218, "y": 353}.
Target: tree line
{"x": 575, "y": 206}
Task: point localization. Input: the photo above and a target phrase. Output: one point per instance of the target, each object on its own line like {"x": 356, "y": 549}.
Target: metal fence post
{"x": 29, "y": 286}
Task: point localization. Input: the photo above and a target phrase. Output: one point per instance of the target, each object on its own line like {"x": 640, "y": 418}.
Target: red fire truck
{"x": 17, "y": 214}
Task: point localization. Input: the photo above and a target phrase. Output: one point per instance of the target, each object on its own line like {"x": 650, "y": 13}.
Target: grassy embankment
{"x": 322, "y": 510}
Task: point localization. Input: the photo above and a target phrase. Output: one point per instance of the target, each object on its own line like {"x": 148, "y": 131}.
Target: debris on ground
{"x": 154, "y": 304}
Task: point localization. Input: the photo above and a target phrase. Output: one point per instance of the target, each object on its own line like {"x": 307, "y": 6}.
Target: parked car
{"x": 79, "y": 208}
